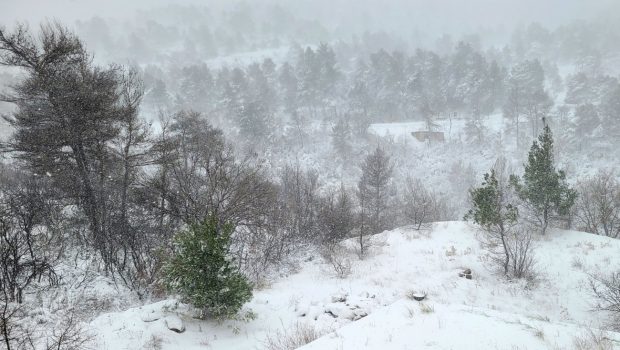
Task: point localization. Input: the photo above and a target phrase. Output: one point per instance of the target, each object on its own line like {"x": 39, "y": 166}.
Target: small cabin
{"x": 431, "y": 136}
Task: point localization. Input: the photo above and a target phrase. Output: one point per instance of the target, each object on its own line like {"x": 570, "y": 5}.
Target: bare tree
{"x": 606, "y": 289}
{"x": 10, "y": 313}
{"x": 521, "y": 252}
{"x": 419, "y": 205}
{"x": 598, "y": 205}
{"x": 29, "y": 243}
{"x": 299, "y": 195}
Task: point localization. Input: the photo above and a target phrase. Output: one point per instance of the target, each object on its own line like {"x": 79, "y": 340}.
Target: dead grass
{"x": 427, "y": 309}
{"x": 155, "y": 343}
{"x": 592, "y": 340}
{"x": 295, "y": 337}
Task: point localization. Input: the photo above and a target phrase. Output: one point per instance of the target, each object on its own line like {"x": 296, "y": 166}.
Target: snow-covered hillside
{"x": 486, "y": 312}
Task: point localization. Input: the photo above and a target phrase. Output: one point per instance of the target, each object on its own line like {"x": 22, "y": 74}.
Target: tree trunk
{"x": 502, "y": 233}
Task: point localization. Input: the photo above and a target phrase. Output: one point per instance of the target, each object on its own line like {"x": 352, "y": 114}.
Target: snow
{"x": 447, "y": 327}
{"x": 487, "y": 311}
{"x": 450, "y": 128}
{"x": 244, "y": 59}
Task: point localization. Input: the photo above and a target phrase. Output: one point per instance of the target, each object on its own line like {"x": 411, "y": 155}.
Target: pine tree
{"x": 288, "y": 87}
{"x": 196, "y": 87}
{"x": 336, "y": 217}
{"x": 544, "y": 189}
{"x": 610, "y": 112}
{"x": 492, "y": 210}
{"x": 329, "y": 73}
{"x": 587, "y": 120}
{"x": 341, "y": 138}
{"x": 158, "y": 95}
{"x": 526, "y": 95}
{"x": 373, "y": 194}
{"x": 201, "y": 271}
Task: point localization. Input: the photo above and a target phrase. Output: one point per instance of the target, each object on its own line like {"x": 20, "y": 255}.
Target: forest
{"x": 203, "y": 156}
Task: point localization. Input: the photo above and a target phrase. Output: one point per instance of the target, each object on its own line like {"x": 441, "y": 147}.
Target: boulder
{"x": 338, "y": 311}
{"x": 359, "y": 313}
{"x": 175, "y": 324}
{"x": 418, "y": 296}
{"x": 339, "y": 298}
{"x": 151, "y": 316}
{"x": 466, "y": 273}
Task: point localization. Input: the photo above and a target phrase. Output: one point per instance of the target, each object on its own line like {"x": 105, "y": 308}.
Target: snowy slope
{"x": 403, "y": 325}
{"x": 485, "y": 312}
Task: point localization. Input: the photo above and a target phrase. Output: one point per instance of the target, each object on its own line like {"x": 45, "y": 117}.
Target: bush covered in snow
{"x": 202, "y": 273}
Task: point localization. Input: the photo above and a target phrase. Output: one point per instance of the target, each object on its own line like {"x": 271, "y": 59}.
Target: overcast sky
{"x": 432, "y": 17}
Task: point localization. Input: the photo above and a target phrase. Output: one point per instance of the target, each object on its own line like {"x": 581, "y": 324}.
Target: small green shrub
{"x": 201, "y": 271}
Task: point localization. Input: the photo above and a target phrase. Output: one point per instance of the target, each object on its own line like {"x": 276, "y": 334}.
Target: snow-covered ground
{"x": 244, "y": 59}
{"x": 486, "y": 312}
{"x": 450, "y": 127}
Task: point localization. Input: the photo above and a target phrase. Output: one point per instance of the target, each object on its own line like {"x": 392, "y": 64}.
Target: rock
{"x": 339, "y": 298}
{"x": 466, "y": 273}
{"x": 359, "y": 314}
{"x": 150, "y": 316}
{"x": 337, "y": 311}
{"x": 331, "y": 314}
{"x": 301, "y": 312}
{"x": 418, "y": 296}
{"x": 175, "y": 324}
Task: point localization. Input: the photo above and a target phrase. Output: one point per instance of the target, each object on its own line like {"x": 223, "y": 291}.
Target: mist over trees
{"x": 235, "y": 141}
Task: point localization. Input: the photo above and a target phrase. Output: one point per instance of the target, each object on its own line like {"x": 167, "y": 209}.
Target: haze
{"x": 310, "y": 174}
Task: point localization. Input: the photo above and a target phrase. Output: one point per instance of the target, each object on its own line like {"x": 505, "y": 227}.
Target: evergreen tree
{"x": 337, "y": 218}
{"x": 493, "y": 211}
{"x": 258, "y": 105}
{"x": 329, "y": 73}
{"x": 526, "y": 95}
{"x": 341, "y": 137}
{"x": 196, "y": 87}
{"x": 158, "y": 95}
{"x": 610, "y": 112}
{"x": 544, "y": 189}
{"x": 309, "y": 73}
{"x": 79, "y": 124}
{"x": 201, "y": 271}
{"x": 288, "y": 87}
{"x": 373, "y": 194}
{"x": 587, "y": 120}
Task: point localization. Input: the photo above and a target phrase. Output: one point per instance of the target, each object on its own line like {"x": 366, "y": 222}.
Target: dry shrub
{"x": 20, "y": 329}
{"x": 592, "y": 340}
{"x": 337, "y": 256}
{"x": 297, "y": 336}
{"x": 154, "y": 343}
{"x": 597, "y": 209}
{"x": 518, "y": 251}
{"x": 427, "y": 309}
{"x": 606, "y": 290}
{"x": 521, "y": 251}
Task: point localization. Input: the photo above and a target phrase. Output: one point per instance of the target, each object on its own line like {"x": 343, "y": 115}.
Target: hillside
{"x": 484, "y": 312}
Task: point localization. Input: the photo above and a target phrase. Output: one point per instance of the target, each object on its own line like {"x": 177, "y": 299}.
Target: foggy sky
{"x": 450, "y": 16}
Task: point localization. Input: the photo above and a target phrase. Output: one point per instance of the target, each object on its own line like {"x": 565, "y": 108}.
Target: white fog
{"x": 279, "y": 174}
